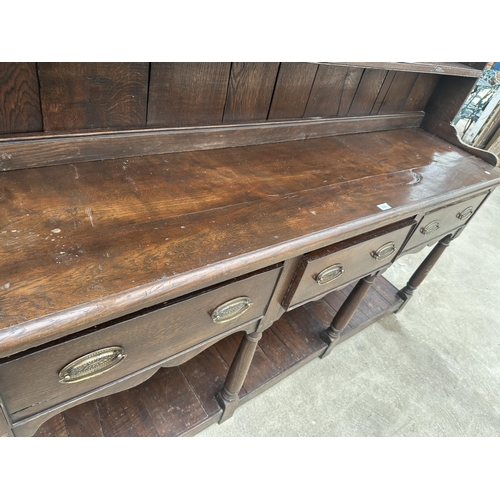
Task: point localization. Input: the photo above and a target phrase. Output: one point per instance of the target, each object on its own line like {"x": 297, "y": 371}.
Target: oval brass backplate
{"x": 431, "y": 227}
{"x": 231, "y": 309}
{"x": 91, "y": 365}
{"x": 384, "y": 251}
{"x": 466, "y": 213}
{"x": 329, "y": 274}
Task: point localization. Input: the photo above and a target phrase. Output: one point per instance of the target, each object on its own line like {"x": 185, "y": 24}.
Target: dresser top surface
{"x": 80, "y": 242}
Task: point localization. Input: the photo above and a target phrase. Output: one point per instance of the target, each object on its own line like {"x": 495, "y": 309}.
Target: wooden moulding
{"x": 58, "y": 149}
{"x": 439, "y": 68}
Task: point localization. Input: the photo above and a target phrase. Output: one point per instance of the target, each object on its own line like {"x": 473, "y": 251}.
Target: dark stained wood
{"x": 166, "y": 332}
{"x": 446, "y": 100}
{"x": 351, "y": 84}
{"x": 124, "y": 414}
{"x": 335, "y": 300}
{"x": 421, "y": 92}
{"x": 93, "y": 95}
{"x": 19, "y": 98}
{"x": 260, "y": 370}
{"x": 263, "y": 203}
{"x": 182, "y": 409}
{"x": 446, "y": 220}
{"x": 292, "y": 91}
{"x": 229, "y": 396}
{"x": 127, "y": 237}
{"x": 55, "y": 427}
{"x": 346, "y": 314}
{"x": 276, "y": 351}
{"x": 250, "y": 91}
{"x": 83, "y": 420}
{"x": 441, "y": 68}
{"x": 424, "y": 269}
{"x": 289, "y": 344}
{"x": 398, "y": 93}
{"x": 355, "y": 256}
{"x": 383, "y": 92}
{"x": 367, "y": 92}
{"x": 186, "y": 94}
{"x": 288, "y": 329}
{"x": 206, "y": 374}
{"x": 276, "y": 309}
{"x": 326, "y": 92}
{"x": 36, "y": 152}
{"x": 322, "y": 310}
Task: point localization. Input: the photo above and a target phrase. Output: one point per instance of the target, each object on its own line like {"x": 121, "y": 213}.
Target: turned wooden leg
{"x": 229, "y": 398}
{"x": 332, "y": 334}
{"x": 423, "y": 270}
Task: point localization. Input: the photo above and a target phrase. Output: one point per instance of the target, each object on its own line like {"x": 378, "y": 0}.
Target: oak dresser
{"x": 177, "y": 237}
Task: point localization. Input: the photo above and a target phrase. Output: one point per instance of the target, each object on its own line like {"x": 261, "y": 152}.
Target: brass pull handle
{"x": 329, "y": 274}
{"x": 91, "y": 365}
{"x": 231, "y": 309}
{"x": 465, "y": 214}
{"x": 384, "y": 251}
{"x": 431, "y": 227}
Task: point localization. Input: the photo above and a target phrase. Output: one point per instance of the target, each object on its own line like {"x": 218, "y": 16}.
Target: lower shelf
{"x": 180, "y": 401}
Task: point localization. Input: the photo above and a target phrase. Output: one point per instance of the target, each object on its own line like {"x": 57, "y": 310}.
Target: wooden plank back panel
{"x": 250, "y": 91}
{"x": 292, "y": 91}
{"x": 383, "y": 92}
{"x": 398, "y": 93}
{"x": 421, "y": 92}
{"x": 93, "y": 95}
{"x": 19, "y": 98}
{"x": 367, "y": 93}
{"x": 351, "y": 84}
{"x": 326, "y": 92}
{"x": 184, "y": 94}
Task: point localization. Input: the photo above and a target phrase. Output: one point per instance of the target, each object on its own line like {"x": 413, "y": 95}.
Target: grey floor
{"x": 431, "y": 370}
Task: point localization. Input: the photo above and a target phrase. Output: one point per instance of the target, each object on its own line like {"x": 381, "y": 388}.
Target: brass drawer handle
{"x": 384, "y": 251}
{"x": 231, "y": 309}
{"x": 465, "y": 213}
{"x": 329, "y": 274}
{"x": 431, "y": 227}
{"x": 91, "y": 365}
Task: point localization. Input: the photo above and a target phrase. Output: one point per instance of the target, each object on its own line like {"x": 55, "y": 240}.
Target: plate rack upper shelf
{"x": 439, "y": 68}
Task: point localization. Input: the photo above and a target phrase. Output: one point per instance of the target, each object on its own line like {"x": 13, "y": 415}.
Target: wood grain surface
{"x": 93, "y": 95}
{"x": 250, "y": 91}
{"x": 398, "y": 93}
{"x": 367, "y": 92}
{"x": 19, "y": 98}
{"x": 326, "y": 92}
{"x": 119, "y": 235}
{"x": 187, "y": 94}
{"x": 292, "y": 90}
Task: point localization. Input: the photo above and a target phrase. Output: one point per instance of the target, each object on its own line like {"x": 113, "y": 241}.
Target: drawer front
{"x": 441, "y": 222}
{"x": 40, "y": 380}
{"x": 329, "y": 268}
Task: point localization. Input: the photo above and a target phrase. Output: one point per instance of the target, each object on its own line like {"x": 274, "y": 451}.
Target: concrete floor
{"x": 431, "y": 370}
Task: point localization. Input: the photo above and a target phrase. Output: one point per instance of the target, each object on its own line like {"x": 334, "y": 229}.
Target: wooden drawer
{"x": 440, "y": 222}
{"x": 324, "y": 270}
{"x": 36, "y": 381}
